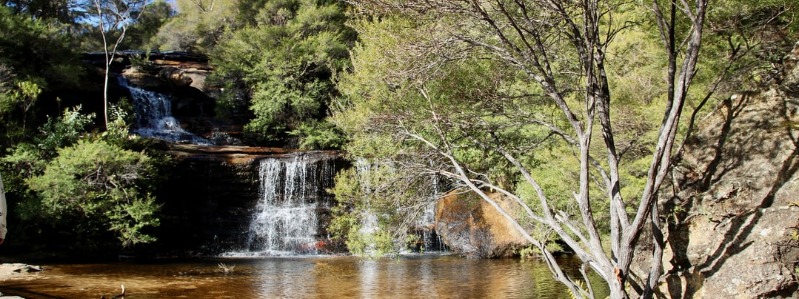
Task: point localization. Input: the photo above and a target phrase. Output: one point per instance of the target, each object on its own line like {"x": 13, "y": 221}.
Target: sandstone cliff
{"x": 732, "y": 226}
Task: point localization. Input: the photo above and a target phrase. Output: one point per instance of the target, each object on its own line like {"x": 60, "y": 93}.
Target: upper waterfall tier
{"x": 154, "y": 117}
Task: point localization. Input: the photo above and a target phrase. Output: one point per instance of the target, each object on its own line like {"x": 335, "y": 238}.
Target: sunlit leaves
{"x": 98, "y": 179}
{"x": 284, "y": 63}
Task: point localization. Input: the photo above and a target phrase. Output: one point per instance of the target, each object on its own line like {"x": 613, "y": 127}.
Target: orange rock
{"x": 473, "y": 228}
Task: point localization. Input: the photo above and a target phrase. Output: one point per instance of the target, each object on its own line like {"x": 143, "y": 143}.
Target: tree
{"x": 198, "y": 26}
{"x": 65, "y": 176}
{"x": 62, "y": 10}
{"x": 35, "y": 58}
{"x": 114, "y": 17}
{"x": 139, "y": 35}
{"x": 557, "y": 53}
{"x": 97, "y": 179}
{"x": 282, "y": 69}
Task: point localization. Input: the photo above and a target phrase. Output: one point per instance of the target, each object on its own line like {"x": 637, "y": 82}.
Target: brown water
{"x": 306, "y": 277}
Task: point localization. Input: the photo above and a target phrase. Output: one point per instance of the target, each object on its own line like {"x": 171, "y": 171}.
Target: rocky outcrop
{"x": 732, "y": 229}
{"x": 156, "y": 70}
{"x": 158, "y": 74}
{"x": 471, "y": 227}
{"x": 208, "y": 200}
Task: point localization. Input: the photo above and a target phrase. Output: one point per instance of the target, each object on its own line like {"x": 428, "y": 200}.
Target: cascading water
{"x": 423, "y": 226}
{"x": 154, "y": 116}
{"x": 369, "y": 225}
{"x": 293, "y": 190}
{"x": 430, "y": 240}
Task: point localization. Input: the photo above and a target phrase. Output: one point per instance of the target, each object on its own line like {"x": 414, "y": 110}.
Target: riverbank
{"x": 17, "y": 272}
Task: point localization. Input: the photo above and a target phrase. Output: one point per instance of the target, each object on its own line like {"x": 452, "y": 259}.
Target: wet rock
{"x": 469, "y": 226}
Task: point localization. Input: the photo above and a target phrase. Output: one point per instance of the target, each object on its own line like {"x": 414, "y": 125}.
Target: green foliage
{"x": 315, "y": 135}
{"x": 283, "y": 63}
{"x": 117, "y": 130}
{"x": 63, "y": 11}
{"x": 66, "y": 176}
{"x": 747, "y": 39}
{"x": 197, "y": 27}
{"x": 37, "y": 50}
{"x": 16, "y": 103}
{"x": 415, "y": 92}
{"x": 63, "y": 131}
{"x": 26, "y": 160}
{"x": 139, "y": 35}
{"x": 99, "y": 180}
{"x": 36, "y": 57}
{"x": 377, "y": 204}
{"x": 399, "y": 94}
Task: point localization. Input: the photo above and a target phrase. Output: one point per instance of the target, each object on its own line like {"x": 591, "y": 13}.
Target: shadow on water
{"x": 422, "y": 276}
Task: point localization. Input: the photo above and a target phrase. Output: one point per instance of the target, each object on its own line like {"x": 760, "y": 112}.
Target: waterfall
{"x": 423, "y": 225}
{"x": 293, "y": 191}
{"x": 369, "y": 225}
{"x": 430, "y": 240}
{"x": 154, "y": 116}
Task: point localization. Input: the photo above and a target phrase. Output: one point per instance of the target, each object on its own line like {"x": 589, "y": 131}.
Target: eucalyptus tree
{"x": 113, "y": 18}
{"x": 198, "y": 25}
{"x": 556, "y": 52}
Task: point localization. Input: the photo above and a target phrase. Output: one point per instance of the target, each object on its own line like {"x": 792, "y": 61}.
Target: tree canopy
{"x": 574, "y": 110}
{"x": 560, "y": 106}
{"x": 284, "y": 64}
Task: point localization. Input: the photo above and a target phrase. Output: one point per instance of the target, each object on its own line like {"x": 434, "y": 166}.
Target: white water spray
{"x": 286, "y": 218}
{"x": 154, "y": 116}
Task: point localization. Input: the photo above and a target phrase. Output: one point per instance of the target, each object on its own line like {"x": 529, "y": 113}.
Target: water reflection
{"x": 310, "y": 277}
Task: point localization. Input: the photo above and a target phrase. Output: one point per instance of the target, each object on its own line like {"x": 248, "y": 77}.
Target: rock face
{"x": 156, "y": 70}
{"x": 210, "y": 198}
{"x": 175, "y": 70}
{"x": 733, "y": 227}
{"x": 471, "y": 227}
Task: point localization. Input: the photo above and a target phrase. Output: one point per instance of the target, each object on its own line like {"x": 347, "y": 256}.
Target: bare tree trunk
{"x": 121, "y": 16}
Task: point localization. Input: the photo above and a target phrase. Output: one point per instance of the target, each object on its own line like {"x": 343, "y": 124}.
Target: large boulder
{"x": 733, "y": 225}
{"x": 471, "y": 227}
